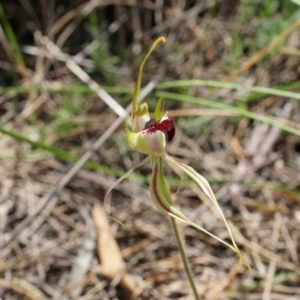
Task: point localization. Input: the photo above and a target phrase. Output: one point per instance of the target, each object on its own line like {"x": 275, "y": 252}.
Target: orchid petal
{"x": 203, "y": 183}
{"x": 121, "y": 179}
{"x": 147, "y": 143}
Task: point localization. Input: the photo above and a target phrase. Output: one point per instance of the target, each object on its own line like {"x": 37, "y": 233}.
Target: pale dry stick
{"x": 67, "y": 177}
{"x": 80, "y": 57}
{"x": 84, "y": 255}
{"x": 147, "y": 246}
{"x": 290, "y": 51}
{"x": 258, "y": 261}
{"x": 118, "y": 109}
{"x": 49, "y": 48}
{"x": 274, "y": 242}
{"x": 276, "y": 297}
{"x": 95, "y": 290}
{"x": 220, "y": 285}
{"x": 269, "y": 281}
{"x": 112, "y": 264}
{"x": 82, "y": 75}
{"x": 78, "y": 14}
{"x": 287, "y": 289}
{"x": 261, "y": 142}
{"x": 261, "y": 250}
{"x": 27, "y": 111}
{"x": 259, "y": 145}
{"x": 290, "y": 243}
{"x": 35, "y": 51}
{"x": 23, "y": 288}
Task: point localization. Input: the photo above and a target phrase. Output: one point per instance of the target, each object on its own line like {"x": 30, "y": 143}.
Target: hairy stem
{"x": 184, "y": 259}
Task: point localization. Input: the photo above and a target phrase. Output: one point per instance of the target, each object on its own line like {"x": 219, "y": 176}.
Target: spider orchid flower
{"x": 150, "y": 137}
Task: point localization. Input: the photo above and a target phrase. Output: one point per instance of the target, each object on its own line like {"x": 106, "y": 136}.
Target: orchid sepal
{"x": 204, "y": 185}
{"x": 161, "y": 196}
{"x": 136, "y": 93}
{"x": 145, "y": 160}
{"x": 159, "y": 109}
{"x": 159, "y": 188}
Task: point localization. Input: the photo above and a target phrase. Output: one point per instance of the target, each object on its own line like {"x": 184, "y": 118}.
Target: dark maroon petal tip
{"x": 166, "y": 126}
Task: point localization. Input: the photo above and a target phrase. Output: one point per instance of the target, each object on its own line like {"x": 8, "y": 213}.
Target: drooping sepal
{"x": 159, "y": 188}
{"x": 161, "y": 196}
{"x": 204, "y": 185}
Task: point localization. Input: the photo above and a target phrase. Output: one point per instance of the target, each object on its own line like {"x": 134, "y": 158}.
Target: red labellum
{"x": 166, "y": 126}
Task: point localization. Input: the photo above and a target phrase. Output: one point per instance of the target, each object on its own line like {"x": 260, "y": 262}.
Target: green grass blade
{"x": 222, "y": 106}
{"x": 58, "y": 152}
{"x": 69, "y": 89}
{"x": 281, "y": 277}
{"x": 11, "y": 38}
{"x": 228, "y": 85}
{"x": 174, "y": 181}
{"x": 255, "y": 96}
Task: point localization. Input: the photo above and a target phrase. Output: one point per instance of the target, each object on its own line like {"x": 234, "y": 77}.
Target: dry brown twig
{"x": 112, "y": 263}
{"x": 23, "y": 288}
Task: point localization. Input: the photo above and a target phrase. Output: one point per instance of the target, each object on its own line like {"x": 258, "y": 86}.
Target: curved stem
{"x": 184, "y": 259}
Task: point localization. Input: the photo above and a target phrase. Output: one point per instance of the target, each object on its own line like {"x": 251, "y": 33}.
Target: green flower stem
{"x": 183, "y": 257}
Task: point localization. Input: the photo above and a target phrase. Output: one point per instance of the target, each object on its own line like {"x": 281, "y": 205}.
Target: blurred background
{"x": 229, "y": 73}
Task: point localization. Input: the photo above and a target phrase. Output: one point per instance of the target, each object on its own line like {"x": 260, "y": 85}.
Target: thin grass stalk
{"x": 184, "y": 259}
{"x": 10, "y": 35}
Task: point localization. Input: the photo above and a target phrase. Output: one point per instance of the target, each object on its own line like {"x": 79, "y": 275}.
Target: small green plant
{"x": 150, "y": 137}
{"x": 103, "y": 59}
{"x": 267, "y": 18}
